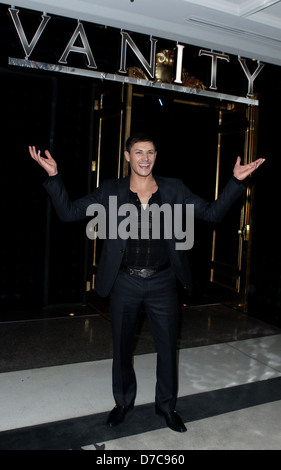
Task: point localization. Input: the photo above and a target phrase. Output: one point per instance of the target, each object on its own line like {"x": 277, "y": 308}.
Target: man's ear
{"x": 127, "y": 155}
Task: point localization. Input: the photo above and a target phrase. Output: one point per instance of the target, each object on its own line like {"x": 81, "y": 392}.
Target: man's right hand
{"x": 48, "y": 163}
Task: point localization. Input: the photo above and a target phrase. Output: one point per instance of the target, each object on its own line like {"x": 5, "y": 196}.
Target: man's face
{"x": 141, "y": 158}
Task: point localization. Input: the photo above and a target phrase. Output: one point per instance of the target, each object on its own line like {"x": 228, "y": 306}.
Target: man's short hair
{"x": 139, "y": 137}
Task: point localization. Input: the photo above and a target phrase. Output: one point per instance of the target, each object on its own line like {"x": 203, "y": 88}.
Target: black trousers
{"x": 158, "y": 295}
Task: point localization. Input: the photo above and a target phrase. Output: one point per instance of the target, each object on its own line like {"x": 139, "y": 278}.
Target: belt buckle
{"x": 144, "y": 272}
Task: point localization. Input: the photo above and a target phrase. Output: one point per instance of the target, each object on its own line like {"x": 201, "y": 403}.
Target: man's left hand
{"x": 242, "y": 171}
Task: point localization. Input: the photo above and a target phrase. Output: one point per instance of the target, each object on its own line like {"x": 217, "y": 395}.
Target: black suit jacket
{"x": 172, "y": 191}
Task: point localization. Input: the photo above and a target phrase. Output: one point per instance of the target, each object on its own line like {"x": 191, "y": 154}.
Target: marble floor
{"x": 55, "y": 383}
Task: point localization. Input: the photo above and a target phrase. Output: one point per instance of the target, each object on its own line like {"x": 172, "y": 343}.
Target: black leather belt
{"x": 144, "y": 272}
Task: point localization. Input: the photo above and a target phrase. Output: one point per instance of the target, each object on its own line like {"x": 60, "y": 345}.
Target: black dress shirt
{"x": 150, "y": 251}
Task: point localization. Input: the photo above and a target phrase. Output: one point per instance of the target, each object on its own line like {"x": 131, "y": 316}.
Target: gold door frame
{"x": 235, "y": 278}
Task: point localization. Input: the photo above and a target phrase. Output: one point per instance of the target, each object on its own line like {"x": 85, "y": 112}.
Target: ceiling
{"x": 247, "y": 28}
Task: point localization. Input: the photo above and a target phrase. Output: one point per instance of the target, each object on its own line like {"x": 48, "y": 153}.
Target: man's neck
{"x": 141, "y": 182}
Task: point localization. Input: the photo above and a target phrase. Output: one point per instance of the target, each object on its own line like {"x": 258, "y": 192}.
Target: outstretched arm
{"x": 242, "y": 171}
{"x": 215, "y": 211}
{"x": 67, "y": 210}
{"x": 48, "y": 163}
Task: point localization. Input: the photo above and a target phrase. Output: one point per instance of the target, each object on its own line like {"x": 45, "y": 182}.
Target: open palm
{"x": 47, "y": 162}
{"x": 242, "y": 171}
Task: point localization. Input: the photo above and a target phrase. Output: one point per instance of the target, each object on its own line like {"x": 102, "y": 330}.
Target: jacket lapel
{"x": 166, "y": 188}
{"x": 123, "y": 190}
{"x": 123, "y": 198}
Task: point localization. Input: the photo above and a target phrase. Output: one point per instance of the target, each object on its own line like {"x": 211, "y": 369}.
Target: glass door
{"x": 231, "y": 246}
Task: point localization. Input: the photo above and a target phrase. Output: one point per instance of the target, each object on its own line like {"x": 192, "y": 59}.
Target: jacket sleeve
{"x": 215, "y": 211}
{"x": 68, "y": 210}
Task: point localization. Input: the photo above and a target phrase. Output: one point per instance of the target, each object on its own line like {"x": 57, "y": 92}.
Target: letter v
{"x": 28, "y": 47}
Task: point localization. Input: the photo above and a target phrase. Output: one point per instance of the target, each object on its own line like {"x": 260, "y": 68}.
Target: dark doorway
{"x": 198, "y": 141}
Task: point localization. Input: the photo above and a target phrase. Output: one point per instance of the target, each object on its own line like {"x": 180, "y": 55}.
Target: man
{"x": 142, "y": 271}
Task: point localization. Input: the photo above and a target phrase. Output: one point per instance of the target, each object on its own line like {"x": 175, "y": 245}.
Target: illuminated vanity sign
{"x": 126, "y": 40}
